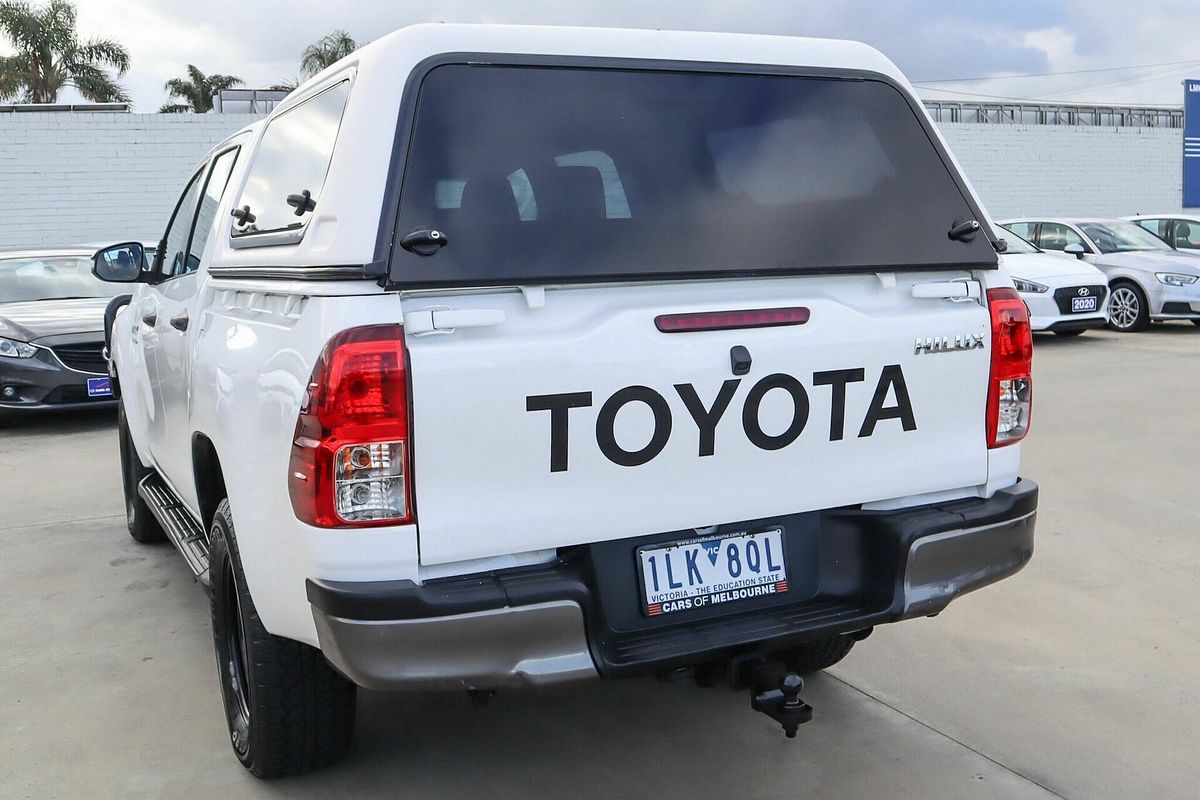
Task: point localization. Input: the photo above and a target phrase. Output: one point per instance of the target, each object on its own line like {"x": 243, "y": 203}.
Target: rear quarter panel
{"x": 252, "y": 365}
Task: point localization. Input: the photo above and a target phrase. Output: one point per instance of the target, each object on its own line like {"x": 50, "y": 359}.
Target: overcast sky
{"x": 261, "y": 40}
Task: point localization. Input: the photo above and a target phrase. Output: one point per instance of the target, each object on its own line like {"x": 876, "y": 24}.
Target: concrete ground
{"x": 1078, "y": 678}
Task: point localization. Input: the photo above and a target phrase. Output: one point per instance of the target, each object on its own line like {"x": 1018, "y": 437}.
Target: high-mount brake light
{"x": 731, "y": 320}
{"x": 350, "y": 456}
{"x": 1010, "y": 386}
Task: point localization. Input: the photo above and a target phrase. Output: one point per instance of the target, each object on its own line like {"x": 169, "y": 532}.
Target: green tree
{"x": 50, "y": 56}
{"x": 325, "y": 51}
{"x": 197, "y": 90}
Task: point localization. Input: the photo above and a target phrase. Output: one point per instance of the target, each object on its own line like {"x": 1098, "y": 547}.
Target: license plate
{"x": 711, "y": 571}
{"x": 1082, "y": 304}
{"x": 99, "y": 387}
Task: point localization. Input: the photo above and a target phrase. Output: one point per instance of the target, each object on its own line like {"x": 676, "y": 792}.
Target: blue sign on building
{"x": 1191, "y": 144}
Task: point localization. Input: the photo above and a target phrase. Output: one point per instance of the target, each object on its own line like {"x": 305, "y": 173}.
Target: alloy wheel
{"x": 237, "y": 655}
{"x": 1124, "y": 307}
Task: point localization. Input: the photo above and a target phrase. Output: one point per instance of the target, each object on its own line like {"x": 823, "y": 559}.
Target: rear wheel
{"x": 1128, "y": 311}
{"x": 141, "y": 522}
{"x": 288, "y": 710}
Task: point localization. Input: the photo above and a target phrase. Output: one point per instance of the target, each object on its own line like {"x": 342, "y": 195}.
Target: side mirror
{"x": 121, "y": 263}
{"x": 1076, "y": 250}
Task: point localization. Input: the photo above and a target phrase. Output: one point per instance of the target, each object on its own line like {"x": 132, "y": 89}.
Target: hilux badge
{"x": 949, "y": 344}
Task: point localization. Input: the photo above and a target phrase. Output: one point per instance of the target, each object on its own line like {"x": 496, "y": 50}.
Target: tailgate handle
{"x": 947, "y": 290}
{"x": 447, "y": 320}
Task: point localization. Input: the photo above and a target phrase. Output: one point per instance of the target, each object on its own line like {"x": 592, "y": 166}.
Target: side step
{"x": 180, "y": 526}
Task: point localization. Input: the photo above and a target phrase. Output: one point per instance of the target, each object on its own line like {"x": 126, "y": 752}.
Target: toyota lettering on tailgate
{"x": 706, "y": 414}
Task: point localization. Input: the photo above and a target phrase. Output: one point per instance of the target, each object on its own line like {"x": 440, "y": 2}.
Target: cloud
{"x": 262, "y": 41}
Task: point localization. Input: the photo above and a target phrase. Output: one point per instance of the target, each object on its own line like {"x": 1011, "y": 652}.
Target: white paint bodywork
{"x": 484, "y": 495}
{"x": 1054, "y": 272}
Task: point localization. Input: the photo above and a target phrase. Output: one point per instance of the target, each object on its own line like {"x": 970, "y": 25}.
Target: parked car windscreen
{"x": 1017, "y": 245}
{"x": 571, "y": 173}
{"x": 1122, "y": 237}
{"x": 51, "y": 278}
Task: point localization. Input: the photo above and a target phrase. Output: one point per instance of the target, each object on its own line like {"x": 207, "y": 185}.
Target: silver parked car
{"x": 1148, "y": 279}
{"x": 1181, "y": 231}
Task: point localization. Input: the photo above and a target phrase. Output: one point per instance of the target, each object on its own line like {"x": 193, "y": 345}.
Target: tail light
{"x": 350, "y": 454}
{"x": 1010, "y": 387}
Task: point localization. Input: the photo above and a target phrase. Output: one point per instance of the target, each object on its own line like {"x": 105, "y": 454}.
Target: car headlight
{"x": 1030, "y": 286}
{"x": 11, "y": 348}
{"x": 1175, "y": 279}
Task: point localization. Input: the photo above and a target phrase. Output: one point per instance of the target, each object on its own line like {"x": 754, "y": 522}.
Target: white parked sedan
{"x": 1148, "y": 279}
{"x": 1063, "y": 294}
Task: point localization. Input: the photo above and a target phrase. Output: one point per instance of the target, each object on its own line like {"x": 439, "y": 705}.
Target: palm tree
{"x": 51, "y": 56}
{"x": 197, "y": 90}
{"x": 324, "y": 51}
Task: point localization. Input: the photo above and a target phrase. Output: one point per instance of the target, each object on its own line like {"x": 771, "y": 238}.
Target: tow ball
{"x": 784, "y": 704}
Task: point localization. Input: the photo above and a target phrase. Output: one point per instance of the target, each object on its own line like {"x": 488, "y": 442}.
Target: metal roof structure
{"x": 66, "y": 108}
{"x": 1022, "y": 113}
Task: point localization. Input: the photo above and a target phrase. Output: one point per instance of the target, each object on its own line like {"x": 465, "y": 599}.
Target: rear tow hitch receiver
{"x": 784, "y": 704}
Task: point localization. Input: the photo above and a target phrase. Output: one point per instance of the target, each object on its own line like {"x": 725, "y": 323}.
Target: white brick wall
{"x": 67, "y": 178}
{"x": 1053, "y": 170}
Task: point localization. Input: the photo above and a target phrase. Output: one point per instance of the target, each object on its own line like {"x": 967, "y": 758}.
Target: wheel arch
{"x": 1126, "y": 277}
{"x": 210, "y": 479}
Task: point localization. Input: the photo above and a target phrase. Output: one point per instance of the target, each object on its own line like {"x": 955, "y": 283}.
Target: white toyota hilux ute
{"x": 507, "y": 356}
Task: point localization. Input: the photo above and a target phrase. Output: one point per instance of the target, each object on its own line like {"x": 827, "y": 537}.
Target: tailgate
{"x": 579, "y": 421}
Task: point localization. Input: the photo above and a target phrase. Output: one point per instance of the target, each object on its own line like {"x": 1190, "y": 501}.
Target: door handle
{"x": 180, "y": 321}
{"x": 957, "y": 291}
{"x": 150, "y": 317}
{"x": 447, "y": 320}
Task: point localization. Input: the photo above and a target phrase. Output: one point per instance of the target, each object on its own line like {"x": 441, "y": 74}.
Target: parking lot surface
{"x": 1078, "y": 678}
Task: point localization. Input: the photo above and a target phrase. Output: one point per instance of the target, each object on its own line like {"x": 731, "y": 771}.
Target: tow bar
{"x": 784, "y": 704}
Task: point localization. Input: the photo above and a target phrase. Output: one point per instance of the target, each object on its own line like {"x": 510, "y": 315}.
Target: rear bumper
{"x": 572, "y": 618}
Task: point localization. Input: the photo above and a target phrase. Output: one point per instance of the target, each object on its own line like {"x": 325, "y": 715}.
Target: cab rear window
{"x": 538, "y": 173}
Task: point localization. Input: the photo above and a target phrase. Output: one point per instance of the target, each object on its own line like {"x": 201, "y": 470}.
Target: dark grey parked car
{"x": 52, "y": 331}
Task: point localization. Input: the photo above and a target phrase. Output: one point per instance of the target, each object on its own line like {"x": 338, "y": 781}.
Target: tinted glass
{"x": 175, "y": 256}
{"x": 51, "y": 278}
{"x": 1122, "y": 237}
{"x": 218, "y": 179}
{"x": 1056, "y": 237}
{"x": 292, "y": 158}
{"x": 538, "y": 173}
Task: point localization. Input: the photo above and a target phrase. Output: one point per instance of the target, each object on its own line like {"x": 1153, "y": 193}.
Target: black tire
{"x": 1128, "y": 309}
{"x": 1075, "y": 332}
{"x": 1194, "y": 322}
{"x": 819, "y": 654}
{"x": 288, "y": 710}
{"x": 141, "y": 522}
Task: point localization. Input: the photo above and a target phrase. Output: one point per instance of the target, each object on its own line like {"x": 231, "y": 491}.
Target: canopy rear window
{"x": 567, "y": 174}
